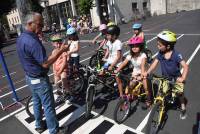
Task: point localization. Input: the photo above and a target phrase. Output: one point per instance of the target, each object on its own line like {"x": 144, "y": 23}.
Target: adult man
{"x": 35, "y": 63}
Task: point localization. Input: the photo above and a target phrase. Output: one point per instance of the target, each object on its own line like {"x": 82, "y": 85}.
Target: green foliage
{"x": 85, "y": 6}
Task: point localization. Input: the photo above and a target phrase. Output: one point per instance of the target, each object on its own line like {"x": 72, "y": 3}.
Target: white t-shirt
{"x": 136, "y": 62}
{"x": 113, "y": 48}
{"x": 73, "y": 46}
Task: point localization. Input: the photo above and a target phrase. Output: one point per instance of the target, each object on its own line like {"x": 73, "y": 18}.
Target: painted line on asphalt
{"x": 10, "y": 74}
{"x": 11, "y": 114}
{"x": 193, "y": 54}
{"x": 144, "y": 122}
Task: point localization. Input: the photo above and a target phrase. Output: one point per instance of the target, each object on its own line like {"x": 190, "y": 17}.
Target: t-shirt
{"x": 170, "y": 67}
{"x": 136, "y": 62}
{"x": 32, "y": 54}
{"x": 60, "y": 61}
{"x": 113, "y": 49}
{"x": 72, "y": 46}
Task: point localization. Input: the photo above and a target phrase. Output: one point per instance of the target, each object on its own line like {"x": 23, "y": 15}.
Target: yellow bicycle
{"x": 165, "y": 97}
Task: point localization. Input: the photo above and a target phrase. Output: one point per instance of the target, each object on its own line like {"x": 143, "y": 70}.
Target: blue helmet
{"x": 71, "y": 30}
{"x": 137, "y": 26}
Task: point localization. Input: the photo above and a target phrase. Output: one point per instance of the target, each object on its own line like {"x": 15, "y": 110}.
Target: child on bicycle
{"x": 60, "y": 68}
{"x": 113, "y": 51}
{"x": 102, "y": 30}
{"x": 138, "y": 60}
{"x": 73, "y": 42}
{"x": 170, "y": 61}
{"x": 137, "y": 30}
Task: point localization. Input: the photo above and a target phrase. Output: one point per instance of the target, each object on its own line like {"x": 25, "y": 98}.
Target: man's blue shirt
{"x": 32, "y": 54}
{"x": 170, "y": 67}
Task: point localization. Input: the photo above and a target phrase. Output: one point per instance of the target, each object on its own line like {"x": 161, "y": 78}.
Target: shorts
{"x": 178, "y": 87}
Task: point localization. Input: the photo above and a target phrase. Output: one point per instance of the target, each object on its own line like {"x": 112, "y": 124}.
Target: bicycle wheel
{"x": 77, "y": 82}
{"x": 122, "y": 110}
{"x": 28, "y": 111}
{"x": 90, "y": 94}
{"x": 93, "y": 61}
{"x": 155, "y": 118}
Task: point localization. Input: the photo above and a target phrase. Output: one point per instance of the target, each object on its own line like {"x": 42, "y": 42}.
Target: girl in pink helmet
{"x": 138, "y": 59}
{"x": 102, "y": 29}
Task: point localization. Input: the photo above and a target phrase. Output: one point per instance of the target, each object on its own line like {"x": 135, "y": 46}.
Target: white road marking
{"x": 10, "y": 74}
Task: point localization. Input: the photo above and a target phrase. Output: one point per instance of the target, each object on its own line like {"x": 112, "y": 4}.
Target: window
{"x": 144, "y": 5}
{"x": 134, "y": 6}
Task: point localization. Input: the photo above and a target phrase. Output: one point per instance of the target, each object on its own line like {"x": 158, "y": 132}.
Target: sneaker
{"x": 40, "y": 130}
{"x": 183, "y": 114}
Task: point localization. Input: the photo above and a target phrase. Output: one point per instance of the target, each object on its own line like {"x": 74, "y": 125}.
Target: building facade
{"x": 158, "y": 7}
{"x": 13, "y": 19}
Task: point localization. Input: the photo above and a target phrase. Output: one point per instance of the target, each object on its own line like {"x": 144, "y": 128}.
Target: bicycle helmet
{"x": 102, "y": 27}
{"x": 167, "y": 36}
{"x": 56, "y": 38}
{"x": 137, "y": 26}
{"x": 110, "y": 24}
{"x": 71, "y": 31}
{"x": 135, "y": 41}
{"x": 113, "y": 30}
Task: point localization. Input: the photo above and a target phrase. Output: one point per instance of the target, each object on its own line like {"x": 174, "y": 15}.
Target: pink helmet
{"x": 102, "y": 27}
{"x": 135, "y": 40}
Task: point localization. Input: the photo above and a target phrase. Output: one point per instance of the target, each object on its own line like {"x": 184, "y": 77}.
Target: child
{"x": 170, "y": 61}
{"x": 73, "y": 42}
{"x": 113, "y": 51}
{"x": 138, "y": 60}
{"x": 137, "y": 30}
{"x": 102, "y": 29}
{"x": 60, "y": 68}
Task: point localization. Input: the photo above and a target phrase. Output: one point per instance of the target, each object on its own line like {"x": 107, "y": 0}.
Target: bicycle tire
{"x": 126, "y": 106}
{"x": 90, "y": 94}
{"x": 153, "y": 125}
{"x": 28, "y": 111}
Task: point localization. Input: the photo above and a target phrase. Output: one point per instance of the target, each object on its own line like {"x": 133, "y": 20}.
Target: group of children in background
{"x": 170, "y": 60}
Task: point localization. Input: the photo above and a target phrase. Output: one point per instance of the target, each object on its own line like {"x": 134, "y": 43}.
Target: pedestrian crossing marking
{"x": 72, "y": 116}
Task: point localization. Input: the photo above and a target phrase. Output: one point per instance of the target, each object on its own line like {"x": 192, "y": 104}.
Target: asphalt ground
{"x": 185, "y": 24}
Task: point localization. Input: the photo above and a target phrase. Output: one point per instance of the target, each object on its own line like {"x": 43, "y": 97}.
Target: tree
{"x": 85, "y": 6}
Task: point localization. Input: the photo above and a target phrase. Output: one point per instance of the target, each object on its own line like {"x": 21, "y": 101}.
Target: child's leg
{"x": 56, "y": 80}
{"x": 120, "y": 87}
{"x": 76, "y": 62}
{"x": 147, "y": 91}
{"x": 65, "y": 81}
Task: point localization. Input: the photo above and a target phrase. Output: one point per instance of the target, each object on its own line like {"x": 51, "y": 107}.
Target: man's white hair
{"x": 30, "y": 17}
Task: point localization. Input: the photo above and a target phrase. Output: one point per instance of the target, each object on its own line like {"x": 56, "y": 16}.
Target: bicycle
{"x": 77, "y": 81}
{"x": 125, "y": 104}
{"x": 162, "y": 101}
{"x": 108, "y": 80}
{"x": 96, "y": 59}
